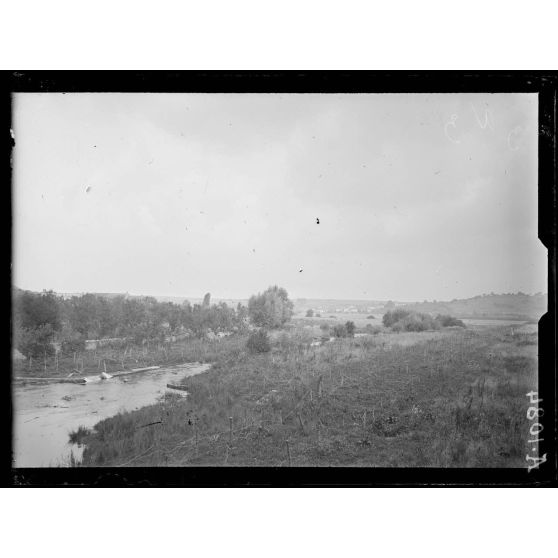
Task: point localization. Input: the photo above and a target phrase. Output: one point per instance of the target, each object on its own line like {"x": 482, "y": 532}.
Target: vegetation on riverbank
{"x": 114, "y": 359}
{"x": 54, "y": 334}
{"x": 449, "y": 398}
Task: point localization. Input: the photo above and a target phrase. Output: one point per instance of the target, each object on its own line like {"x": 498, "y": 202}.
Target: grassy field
{"x": 360, "y": 320}
{"x": 449, "y": 398}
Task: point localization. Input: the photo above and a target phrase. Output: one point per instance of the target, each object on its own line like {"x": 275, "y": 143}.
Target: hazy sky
{"x": 417, "y": 196}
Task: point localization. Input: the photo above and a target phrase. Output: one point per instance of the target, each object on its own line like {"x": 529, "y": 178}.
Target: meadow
{"x": 448, "y": 398}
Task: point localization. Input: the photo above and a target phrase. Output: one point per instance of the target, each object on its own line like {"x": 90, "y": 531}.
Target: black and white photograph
{"x": 276, "y": 280}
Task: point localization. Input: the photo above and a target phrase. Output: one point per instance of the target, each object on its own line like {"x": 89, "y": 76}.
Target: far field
{"x": 448, "y": 398}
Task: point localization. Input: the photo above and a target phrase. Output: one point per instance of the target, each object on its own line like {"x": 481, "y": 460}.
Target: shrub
{"x": 340, "y": 331}
{"x": 350, "y": 327}
{"x": 393, "y": 316}
{"x": 371, "y": 317}
{"x": 310, "y": 313}
{"x": 258, "y": 342}
{"x": 413, "y": 323}
{"x": 406, "y": 320}
{"x": 324, "y": 327}
{"x": 447, "y": 321}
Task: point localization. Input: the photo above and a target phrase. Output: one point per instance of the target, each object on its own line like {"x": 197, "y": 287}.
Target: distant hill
{"x": 509, "y": 306}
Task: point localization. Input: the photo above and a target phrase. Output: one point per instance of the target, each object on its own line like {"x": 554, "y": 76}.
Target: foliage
{"x": 310, "y": 313}
{"x": 451, "y": 404}
{"x": 32, "y": 310}
{"x": 350, "y": 327}
{"x": 393, "y": 316}
{"x": 91, "y": 316}
{"x": 270, "y": 309}
{"x": 35, "y": 342}
{"x": 448, "y": 321}
{"x": 408, "y": 320}
{"x": 340, "y": 331}
{"x": 258, "y": 342}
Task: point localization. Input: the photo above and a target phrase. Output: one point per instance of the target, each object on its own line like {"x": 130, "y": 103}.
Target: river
{"x": 44, "y": 415}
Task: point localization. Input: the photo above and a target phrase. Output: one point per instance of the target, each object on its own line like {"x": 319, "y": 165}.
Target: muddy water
{"x": 44, "y": 415}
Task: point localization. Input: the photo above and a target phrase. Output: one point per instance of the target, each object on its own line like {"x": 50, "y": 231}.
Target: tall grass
{"x": 449, "y": 399}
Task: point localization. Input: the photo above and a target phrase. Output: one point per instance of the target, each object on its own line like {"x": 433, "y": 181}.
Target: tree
{"x": 34, "y": 342}
{"x": 350, "y": 327}
{"x": 271, "y": 309}
{"x": 32, "y": 310}
{"x": 206, "y": 300}
{"x": 310, "y": 313}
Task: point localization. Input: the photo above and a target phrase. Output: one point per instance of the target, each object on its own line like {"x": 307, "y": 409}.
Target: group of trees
{"x": 344, "y": 330}
{"x": 407, "y": 320}
{"x": 41, "y": 318}
{"x": 271, "y": 309}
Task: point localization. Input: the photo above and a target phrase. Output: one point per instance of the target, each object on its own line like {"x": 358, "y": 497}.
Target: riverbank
{"x": 114, "y": 360}
{"x": 51, "y": 419}
{"x": 448, "y": 399}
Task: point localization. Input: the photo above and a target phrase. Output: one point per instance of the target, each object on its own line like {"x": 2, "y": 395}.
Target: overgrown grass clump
{"x": 78, "y": 436}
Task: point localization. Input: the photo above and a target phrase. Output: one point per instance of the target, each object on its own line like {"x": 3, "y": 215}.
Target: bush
{"x": 340, "y": 331}
{"x": 413, "y": 323}
{"x": 393, "y": 316}
{"x": 258, "y": 342}
{"x": 371, "y": 317}
{"x": 350, "y": 327}
{"x": 448, "y": 321}
{"x": 374, "y": 330}
{"x": 324, "y": 327}
{"x": 405, "y": 320}
{"x": 310, "y": 313}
